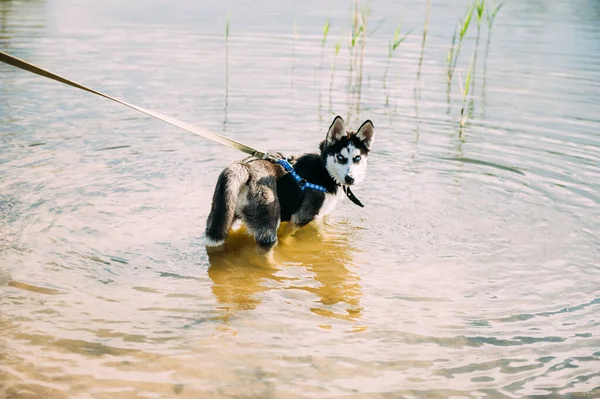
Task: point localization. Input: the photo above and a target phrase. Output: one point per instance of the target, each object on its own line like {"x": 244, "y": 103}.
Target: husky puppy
{"x": 262, "y": 194}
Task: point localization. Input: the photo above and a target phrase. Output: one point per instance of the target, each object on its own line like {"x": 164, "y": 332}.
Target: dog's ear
{"x": 337, "y": 130}
{"x": 366, "y": 133}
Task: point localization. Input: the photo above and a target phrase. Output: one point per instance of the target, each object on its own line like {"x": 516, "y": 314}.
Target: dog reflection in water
{"x": 240, "y": 274}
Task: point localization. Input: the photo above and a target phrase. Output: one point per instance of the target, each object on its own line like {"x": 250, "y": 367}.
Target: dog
{"x": 263, "y": 194}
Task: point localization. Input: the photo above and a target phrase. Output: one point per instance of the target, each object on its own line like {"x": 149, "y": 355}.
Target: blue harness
{"x": 302, "y": 183}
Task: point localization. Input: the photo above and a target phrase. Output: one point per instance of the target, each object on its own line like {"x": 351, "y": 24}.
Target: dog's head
{"x": 345, "y": 152}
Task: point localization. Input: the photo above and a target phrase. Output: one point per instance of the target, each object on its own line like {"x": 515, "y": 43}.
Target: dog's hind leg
{"x": 262, "y": 214}
{"x": 222, "y": 214}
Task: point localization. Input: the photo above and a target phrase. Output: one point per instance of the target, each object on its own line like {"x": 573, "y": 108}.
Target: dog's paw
{"x": 209, "y": 242}
{"x": 213, "y": 245}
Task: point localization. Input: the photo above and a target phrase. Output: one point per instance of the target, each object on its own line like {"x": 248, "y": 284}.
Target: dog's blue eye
{"x": 341, "y": 158}
{"x": 356, "y": 159}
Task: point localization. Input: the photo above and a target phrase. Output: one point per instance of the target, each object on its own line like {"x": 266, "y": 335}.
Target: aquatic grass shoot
{"x": 227, "y": 24}
{"x": 325, "y": 32}
{"x": 323, "y": 41}
{"x": 358, "y": 33}
{"x": 338, "y": 46}
{"x": 393, "y": 46}
{"x": 491, "y": 17}
{"x": 480, "y": 7}
{"x": 354, "y": 32}
{"x": 425, "y": 28}
{"x": 365, "y": 13}
{"x": 465, "y": 93}
{"x": 450, "y": 57}
{"x": 464, "y": 27}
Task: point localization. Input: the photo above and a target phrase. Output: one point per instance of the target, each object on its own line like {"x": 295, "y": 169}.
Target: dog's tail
{"x": 222, "y": 213}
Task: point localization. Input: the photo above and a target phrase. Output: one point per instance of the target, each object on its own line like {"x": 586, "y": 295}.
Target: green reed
{"x": 354, "y": 35}
{"x": 323, "y": 41}
{"x": 392, "y": 47}
{"x": 358, "y": 35}
{"x": 450, "y": 57}
{"x": 455, "y": 50}
{"x": 325, "y": 32}
{"x": 465, "y": 92}
{"x": 425, "y": 28}
{"x": 491, "y": 17}
{"x": 480, "y": 7}
{"x": 227, "y": 23}
{"x": 338, "y": 45}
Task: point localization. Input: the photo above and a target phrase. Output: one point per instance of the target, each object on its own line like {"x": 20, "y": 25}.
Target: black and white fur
{"x": 262, "y": 194}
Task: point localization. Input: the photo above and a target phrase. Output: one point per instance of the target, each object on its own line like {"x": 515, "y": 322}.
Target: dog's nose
{"x": 349, "y": 179}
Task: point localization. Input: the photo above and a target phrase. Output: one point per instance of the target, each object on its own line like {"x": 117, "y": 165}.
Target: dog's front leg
{"x": 311, "y": 205}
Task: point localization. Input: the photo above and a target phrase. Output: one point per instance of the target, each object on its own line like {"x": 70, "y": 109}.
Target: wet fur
{"x": 263, "y": 195}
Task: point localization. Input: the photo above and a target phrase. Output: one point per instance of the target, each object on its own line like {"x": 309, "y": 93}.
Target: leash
{"x": 207, "y": 134}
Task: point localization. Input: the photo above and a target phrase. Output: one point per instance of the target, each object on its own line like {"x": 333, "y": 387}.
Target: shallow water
{"x": 472, "y": 272}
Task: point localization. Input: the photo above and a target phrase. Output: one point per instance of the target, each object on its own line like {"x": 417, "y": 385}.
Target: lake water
{"x": 472, "y": 272}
